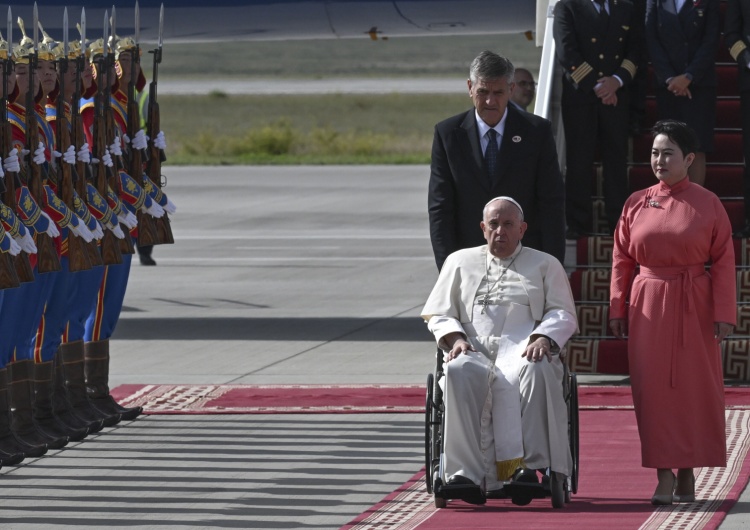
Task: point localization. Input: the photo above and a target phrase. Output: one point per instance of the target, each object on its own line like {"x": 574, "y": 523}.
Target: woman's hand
{"x": 619, "y": 327}
{"x": 721, "y": 330}
{"x": 538, "y": 350}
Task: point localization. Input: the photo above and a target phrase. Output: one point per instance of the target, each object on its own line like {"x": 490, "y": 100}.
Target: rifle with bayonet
{"x": 146, "y": 223}
{"x": 111, "y": 253}
{"x": 153, "y": 125}
{"x": 78, "y": 259}
{"x": 8, "y": 275}
{"x": 47, "y": 258}
{"x": 78, "y": 138}
{"x": 24, "y": 272}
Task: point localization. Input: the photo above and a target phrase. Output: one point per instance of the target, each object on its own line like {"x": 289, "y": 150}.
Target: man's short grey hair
{"x": 489, "y": 66}
{"x": 506, "y": 199}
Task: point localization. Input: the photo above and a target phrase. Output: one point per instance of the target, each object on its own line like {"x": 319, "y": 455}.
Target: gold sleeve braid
{"x": 630, "y": 66}
{"x": 579, "y": 72}
{"x": 737, "y": 49}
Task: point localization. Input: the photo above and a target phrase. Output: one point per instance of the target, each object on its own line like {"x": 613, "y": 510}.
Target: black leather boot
{"x": 62, "y": 406}
{"x": 73, "y": 365}
{"x": 44, "y": 413}
{"x": 97, "y": 381}
{"x": 22, "y": 407}
{"x": 12, "y": 450}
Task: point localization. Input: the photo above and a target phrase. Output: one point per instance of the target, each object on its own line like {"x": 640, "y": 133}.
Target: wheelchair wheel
{"x": 573, "y": 429}
{"x": 428, "y": 445}
{"x": 557, "y": 486}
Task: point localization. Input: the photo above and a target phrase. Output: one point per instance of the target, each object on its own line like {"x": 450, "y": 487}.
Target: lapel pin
{"x": 516, "y": 139}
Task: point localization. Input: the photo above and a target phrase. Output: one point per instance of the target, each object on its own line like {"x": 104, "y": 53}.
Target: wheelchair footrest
{"x": 529, "y": 490}
{"x": 466, "y": 493}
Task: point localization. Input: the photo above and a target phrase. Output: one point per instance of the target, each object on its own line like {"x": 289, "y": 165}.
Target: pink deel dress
{"x": 674, "y": 300}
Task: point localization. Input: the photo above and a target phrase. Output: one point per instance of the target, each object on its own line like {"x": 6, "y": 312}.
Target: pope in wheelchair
{"x": 501, "y": 314}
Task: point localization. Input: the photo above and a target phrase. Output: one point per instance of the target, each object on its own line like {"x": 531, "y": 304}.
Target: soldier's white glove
{"x": 52, "y": 230}
{"x": 82, "y": 231}
{"x": 107, "y": 159}
{"x": 117, "y": 231}
{"x": 11, "y": 161}
{"x": 116, "y": 148}
{"x": 39, "y": 157}
{"x": 140, "y": 141}
{"x": 170, "y": 207}
{"x": 15, "y": 249}
{"x": 84, "y": 155}
{"x": 128, "y": 219}
{"x": 153, "y": 209}
{"x": 97, "y": 232}
{"x": 69, "y": 156}
{"x": 26, "y": 242}
{"x": 160, "y": 141}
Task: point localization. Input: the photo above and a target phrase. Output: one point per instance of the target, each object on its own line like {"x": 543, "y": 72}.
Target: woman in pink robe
{"x": 677, "y": 315}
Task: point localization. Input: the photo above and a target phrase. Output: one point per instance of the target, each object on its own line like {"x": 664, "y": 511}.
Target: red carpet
{"x": 614, "y": 490}
{"x": 352, "y": 399}
{"x": 277, "y": 399}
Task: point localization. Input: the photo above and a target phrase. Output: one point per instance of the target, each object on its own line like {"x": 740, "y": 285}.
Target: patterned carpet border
{"x": 338, "y": 399}
{"x": 276, "y": 399}
{"x": 717, "y": 490}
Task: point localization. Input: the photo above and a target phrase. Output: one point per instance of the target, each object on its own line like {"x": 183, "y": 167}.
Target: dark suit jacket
{"x": 587, "y": 51}
{"x": 737, "y": 37}
{"x": 528, "y": 171}
{"x": 684, "y": 42}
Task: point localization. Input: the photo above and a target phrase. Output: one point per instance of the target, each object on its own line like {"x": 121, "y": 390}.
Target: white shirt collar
{"x": 483, "y": 127}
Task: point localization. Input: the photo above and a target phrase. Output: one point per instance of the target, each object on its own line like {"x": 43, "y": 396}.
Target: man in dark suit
{"x": 598, "y": 43}
{"x": 522, "y": 164}
{"x": 737, "y": 39}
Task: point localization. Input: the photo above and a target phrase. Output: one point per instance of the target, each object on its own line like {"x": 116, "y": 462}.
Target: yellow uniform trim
{"x": 737, "y": 49}
{"x": 580, "y": 72}
{"x": 630, "y": 66}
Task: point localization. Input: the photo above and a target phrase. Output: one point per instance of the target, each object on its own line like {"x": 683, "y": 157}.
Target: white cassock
{"x": 499, "y": 407}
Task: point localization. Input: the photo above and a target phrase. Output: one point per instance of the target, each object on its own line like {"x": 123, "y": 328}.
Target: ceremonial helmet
{"x": 24, "y": 49}
{"x": 125, "y": 44}
{"x": 48, "y": 48}
{"x": 5, "y": 51}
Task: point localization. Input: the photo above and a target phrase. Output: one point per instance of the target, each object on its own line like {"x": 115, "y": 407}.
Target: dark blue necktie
{"x": 490, "y": 154}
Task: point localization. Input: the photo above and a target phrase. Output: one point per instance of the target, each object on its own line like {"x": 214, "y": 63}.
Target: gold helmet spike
{"x": 48, "y": 48}
{"x": 25, "y": 48}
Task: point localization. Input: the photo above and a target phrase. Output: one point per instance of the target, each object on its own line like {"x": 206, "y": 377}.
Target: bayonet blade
{"x": 105, "y": 37}
{"x": 113, "y": 25}
{"x": 83, "y": 31}
{"x": 65, "y": 33}
{"x": 10, "y": 29}
{"x": 36, "y": 29}
{"x": 161, "y": 25}
{"x": 137, "y": 24}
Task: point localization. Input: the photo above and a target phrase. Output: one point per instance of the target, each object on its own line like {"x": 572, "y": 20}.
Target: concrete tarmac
{"x": 278, "y": 275}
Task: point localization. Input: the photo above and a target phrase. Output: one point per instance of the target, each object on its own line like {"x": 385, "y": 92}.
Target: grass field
{"x": 322, "y": 129}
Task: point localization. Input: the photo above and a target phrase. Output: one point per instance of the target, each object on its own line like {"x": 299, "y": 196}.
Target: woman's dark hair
{"x": 679, "y": 133}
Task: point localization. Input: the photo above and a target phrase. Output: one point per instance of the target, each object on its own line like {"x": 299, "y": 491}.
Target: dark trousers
{"x": 586, "y": 126}
{"x": 745, "y": 111}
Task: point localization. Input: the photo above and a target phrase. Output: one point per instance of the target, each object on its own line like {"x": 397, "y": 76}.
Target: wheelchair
{"x": 521, "y": 494}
